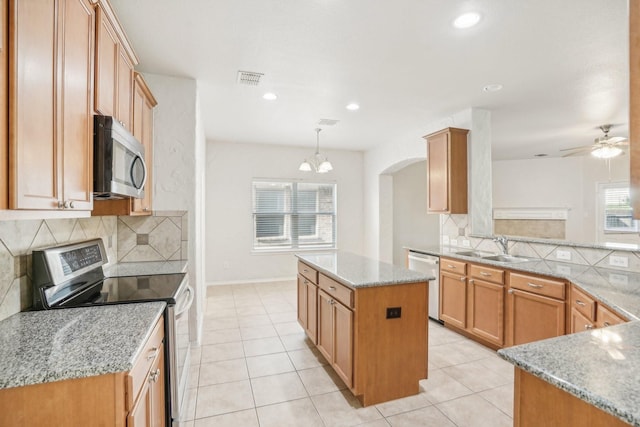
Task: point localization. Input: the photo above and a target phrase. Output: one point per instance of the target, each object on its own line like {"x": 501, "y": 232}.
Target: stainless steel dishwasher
{"x": 431, "y": 265}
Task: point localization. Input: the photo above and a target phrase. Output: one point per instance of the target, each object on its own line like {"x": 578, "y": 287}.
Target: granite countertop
{"x": 53, "y": 345}
{"x": 599, "y": 366}
{"x": 358, "y": 272}
{"x": 145, "y": 268}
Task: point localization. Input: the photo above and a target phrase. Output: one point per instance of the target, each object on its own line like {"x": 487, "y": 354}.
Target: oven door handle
{"x": 180, "y": 312}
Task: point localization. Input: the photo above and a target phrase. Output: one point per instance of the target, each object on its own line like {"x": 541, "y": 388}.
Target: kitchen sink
{"x": 505, "y": 258}
{"x": 476, "y": 254}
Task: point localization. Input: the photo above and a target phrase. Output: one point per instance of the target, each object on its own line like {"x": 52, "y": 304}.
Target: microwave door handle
{"x": 144, "y": 170}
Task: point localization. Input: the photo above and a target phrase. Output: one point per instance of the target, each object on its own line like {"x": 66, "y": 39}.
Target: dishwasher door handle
{"x": 434, "y": 261}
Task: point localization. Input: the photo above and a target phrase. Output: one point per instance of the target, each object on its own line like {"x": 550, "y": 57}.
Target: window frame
{"x": 297, "y": 242}
{"x": 602, "y": 208}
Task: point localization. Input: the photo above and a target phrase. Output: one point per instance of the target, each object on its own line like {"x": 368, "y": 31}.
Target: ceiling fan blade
{"x": 583, "y": 147}
{"x": 577, "y": 153}
{"x": 616, "y": 140}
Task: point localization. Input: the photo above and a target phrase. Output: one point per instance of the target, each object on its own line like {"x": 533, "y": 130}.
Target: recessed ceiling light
{"x": 353, "y": 107}
{"x": 269, "y": 96}
{"x": 467, "y": 20}
{"x": 492, "y": 87}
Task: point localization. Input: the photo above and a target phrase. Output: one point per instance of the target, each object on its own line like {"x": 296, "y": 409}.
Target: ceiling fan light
{"x": 606, "y": 152}
{"x": 305, "y": 166}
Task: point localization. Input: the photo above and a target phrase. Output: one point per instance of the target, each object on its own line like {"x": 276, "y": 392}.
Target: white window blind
{"x": 293, "y": 215}
{"x": 618, "y": 215}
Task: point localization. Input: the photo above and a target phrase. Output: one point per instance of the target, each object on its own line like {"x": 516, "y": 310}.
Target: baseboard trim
{"x": 248, "y": 281}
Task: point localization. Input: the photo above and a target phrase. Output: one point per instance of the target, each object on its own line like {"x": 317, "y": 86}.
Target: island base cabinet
{"x": 335, "y": 336}
{"x": 540, "y": 404}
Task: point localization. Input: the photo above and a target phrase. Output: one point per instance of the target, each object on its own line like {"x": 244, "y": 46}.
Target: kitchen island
{"x": 368, "y": 319}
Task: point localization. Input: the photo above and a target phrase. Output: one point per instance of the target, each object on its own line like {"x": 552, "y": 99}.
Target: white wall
{"x": 568, "y": 182}
{"x": 179, "y": 147}
{"x": 412, "y": 225}
{"x": 393, "y": 156}
{"x": 230, "y": 170}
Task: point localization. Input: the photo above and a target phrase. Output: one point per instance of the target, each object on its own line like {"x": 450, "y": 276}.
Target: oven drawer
{"x": 151, "y": 351}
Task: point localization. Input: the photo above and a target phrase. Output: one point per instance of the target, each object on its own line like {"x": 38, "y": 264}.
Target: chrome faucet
{"x": 504, "y": 242}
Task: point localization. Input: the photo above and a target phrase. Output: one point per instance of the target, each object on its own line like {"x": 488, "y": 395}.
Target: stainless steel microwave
{"x": 119, "y": 169}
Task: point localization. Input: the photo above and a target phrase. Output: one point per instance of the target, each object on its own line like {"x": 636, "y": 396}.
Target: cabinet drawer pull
{"x": 535, "y": 285}
{"x": 451, "y": 266}
{"x": 154, "y": 353}
{"x": 332, "y": 288}
{"x": 305, "y": 270}
{"x": 484, "y": 273}
{"x": 580, "y": 303}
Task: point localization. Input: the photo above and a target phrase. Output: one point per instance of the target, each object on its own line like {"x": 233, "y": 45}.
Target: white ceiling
{"x": 563, "y": 65}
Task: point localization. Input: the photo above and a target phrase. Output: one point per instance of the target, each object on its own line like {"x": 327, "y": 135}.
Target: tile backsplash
{"x": 160, "y": 237}
{"x": 454, "y": 230}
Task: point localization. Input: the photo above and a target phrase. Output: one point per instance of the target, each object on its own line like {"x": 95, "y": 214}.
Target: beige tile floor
{"x": 256, "y": 368}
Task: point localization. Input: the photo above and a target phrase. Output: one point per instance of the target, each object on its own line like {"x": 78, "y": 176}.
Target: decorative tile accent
{"x": 18, "y": 235}
{"x": 61, "y": 229}
{"x": 90, "y": 226}
{"x": 542, "y": 250}
{"x": 593, "y": 256}
{"x": 142, "y": 239}
{"x": 44, "y": 238}
{"x": 576, "y": 258}
{"x": 166, "y": 238}
{"x": 141, "y": 224}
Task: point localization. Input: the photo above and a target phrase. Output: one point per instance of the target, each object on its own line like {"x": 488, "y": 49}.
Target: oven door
{"x": 178, "y": 349}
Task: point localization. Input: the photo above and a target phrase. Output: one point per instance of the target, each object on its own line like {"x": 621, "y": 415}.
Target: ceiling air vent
{"x": 328, "y": 122}
{"x": 249, "y": 78}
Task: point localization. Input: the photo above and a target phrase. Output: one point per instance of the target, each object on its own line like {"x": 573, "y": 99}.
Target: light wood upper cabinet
{"x": 447, "y": 171}
{"x": 4, "y": 104}
{"x": 50, "y": 83}
{"x": 143, "y": 105}
{"x": 634, "y": 104}
{"x": 115, "y": 61}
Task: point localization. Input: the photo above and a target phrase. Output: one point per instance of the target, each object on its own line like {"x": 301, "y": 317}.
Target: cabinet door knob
{"x": 470, "y": 281}
{"x": 71, "y": 205}
{"x": 462, "y": 279}
{"x": 60, "y": 204}
{"x": 153, "y": 377}
{"x": 607, "y": 324}
{"x": 511, "y": 291}
{"x": 588, "y": 326}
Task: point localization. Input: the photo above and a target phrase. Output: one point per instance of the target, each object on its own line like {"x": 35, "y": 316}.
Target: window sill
{"x": 290, "y": 251}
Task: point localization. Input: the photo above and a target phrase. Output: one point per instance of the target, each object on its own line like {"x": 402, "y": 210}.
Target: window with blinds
{"x": 618, "y": 215}
{"x": 293, "y": 215}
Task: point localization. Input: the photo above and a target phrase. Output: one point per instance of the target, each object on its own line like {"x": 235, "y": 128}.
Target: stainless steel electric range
{"x": 72, "y": 276}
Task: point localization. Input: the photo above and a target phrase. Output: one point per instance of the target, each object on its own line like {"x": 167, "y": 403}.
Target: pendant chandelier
{"x": 318, "y": 163}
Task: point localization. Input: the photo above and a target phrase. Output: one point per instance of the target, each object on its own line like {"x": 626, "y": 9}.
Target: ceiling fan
{"x": 604, "y": 147}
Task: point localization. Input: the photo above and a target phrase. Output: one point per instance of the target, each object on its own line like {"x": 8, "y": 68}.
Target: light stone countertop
{"x": 145, "y": 268}
{"x": 600, "y": 366}
{"x": 54, "y": 345}
{"x": 357, "y": 271}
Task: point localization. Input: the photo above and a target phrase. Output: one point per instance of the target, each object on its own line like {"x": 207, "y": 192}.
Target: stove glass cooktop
{"x": 115, "y": 290}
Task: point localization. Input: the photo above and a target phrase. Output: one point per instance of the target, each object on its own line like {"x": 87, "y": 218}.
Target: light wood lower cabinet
{"x": 538, "y": 403}
{"x": 378, "y": 358}
{"x": 588, "y": 313}
{"x": 134, "y": 398}
{"x": 307, "y": 307}
{"x": 335, "y": 336}
{"x": 486, "y": 318}
{"x": 453, "y": 292}
{"x": 535, "y": 308}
